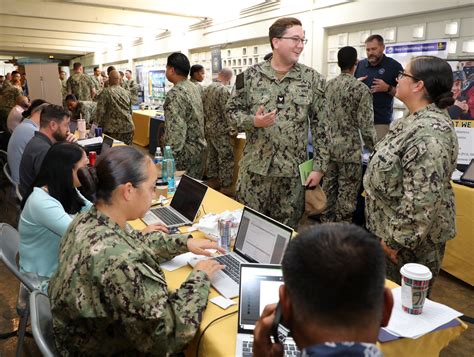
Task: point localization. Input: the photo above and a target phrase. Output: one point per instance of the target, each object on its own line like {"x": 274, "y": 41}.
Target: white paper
{"x": 96, "y": 140}
{"x": 179, "y": 261}
{"x": 413, "y": 326}
{"x": 222, "y": 302}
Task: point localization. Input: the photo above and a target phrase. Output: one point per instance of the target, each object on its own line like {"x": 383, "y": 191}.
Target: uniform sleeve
{"x": 423, "y": 180}
{"x": 239, "y": 108}
{"x": 175, "y": 123}
{"x": 224, "y": 96}
{"x": 167, "y": 246}
{"x": 68, "y": 86}
{"x": 157, "y": 322}
{"x": 365, "y": 119}
{"x": 319, "y": 119}
{"x": 100, "y": 110}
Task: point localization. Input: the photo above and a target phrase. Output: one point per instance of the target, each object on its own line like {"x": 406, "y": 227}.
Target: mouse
{"x": 173, "y": 230}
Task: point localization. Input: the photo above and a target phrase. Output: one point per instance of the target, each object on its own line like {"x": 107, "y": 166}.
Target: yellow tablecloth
{"x": 141, "y": 119}
{"x": 219, "y": 339}
{"x": 459, "y": 256}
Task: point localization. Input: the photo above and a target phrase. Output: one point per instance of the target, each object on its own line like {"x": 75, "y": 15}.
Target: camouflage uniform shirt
{"x": 80, "y": 85}
{"x": 133, "y": 87}
{"x": 299, "y": 98}
{"x": 9, "y": 95}
{"x": 184, "y": 127}
{"x": 114, "y": 110}
{"x": 409, "y": 197}
{"x": 109, "y": 295}
{"x": 348, "y": 108}
{"x": 198, "y": 85}
{"x": 217, "y": 120}
{"x": 86, "y": 109}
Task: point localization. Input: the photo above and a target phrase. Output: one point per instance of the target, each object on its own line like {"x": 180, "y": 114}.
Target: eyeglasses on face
{"x": 296, "y": 40}
{"x": 402, "y": 74}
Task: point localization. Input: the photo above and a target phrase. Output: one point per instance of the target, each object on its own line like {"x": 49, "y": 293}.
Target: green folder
{"x": 305, "y": 169}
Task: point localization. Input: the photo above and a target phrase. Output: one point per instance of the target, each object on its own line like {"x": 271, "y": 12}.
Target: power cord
{"x": 211, "y": 323}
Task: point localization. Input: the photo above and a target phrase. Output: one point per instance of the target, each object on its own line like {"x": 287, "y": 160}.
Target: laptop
{"x": 259, "y": 285}
{"x": 467, "y": 177}
{"x": 183, "y": 208}
{"x": 107, "y": 143}
{"x": 260, "y": 239}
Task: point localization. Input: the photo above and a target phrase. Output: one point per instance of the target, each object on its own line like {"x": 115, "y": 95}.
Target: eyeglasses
{"x": 402, "y": 74}
{"x": 296, "y": 40}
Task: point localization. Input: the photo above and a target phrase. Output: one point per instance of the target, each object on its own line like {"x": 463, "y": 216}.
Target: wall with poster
{"x": 462, "y": 112}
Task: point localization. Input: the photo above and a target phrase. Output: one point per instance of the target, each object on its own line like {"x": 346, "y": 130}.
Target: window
{"x": 244, "y": 51}
{"x": 255, "y": 50}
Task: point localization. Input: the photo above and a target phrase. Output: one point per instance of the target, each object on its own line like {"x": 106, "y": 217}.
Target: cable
{"x": 467, "y": 319}
{"x": 212, "y": 322}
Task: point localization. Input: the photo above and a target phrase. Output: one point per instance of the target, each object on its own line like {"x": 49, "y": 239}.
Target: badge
{"x": 381, "y": 70}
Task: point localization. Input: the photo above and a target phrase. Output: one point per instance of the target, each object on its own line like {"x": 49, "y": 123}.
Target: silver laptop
{"x": 259, "y": 285}
{"x": 260, "y": 239}
{"x": 183, "y": 207}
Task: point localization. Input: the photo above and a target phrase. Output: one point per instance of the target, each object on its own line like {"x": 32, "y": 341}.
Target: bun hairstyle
{"x": 116, "y": 167}
{"x": 437, "y": 77}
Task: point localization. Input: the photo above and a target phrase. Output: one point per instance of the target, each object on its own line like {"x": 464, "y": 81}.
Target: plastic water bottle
{"x": 169, "y": 170}
{"x": 158, "y": 156}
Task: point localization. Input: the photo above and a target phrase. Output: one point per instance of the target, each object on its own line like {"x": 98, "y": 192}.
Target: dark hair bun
{"x": 444, "y": 100}
{"x": 88, "y": 178}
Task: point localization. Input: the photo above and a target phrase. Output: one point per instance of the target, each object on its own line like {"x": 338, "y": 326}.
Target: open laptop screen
{"x": 259, "y": 285}
{"x": 188, "y": 197}
{"x": 261, "y": 239}
{"x": 468, "y": 175}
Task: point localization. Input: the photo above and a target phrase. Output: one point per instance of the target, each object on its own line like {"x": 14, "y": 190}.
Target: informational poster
{"x": 462, "y": 112}
{"x": 141, "y": 83}
{"x": 404, "y": 52}
{"x": 156, "y": 85}
{"x": 216, "y": 61}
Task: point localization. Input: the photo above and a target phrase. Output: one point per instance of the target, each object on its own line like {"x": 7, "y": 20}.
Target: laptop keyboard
{"x": 167, "y": 216}
{"x": 290, "y": 349}
{"x": 232, "y": 266}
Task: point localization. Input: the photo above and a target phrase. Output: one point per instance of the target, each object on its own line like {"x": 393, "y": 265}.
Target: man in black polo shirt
{"x": 379, "y": 73}
{"x": 54, "y": 127}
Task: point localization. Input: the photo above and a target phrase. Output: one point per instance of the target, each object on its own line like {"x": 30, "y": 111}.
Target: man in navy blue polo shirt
{"x": 379, "y": 73}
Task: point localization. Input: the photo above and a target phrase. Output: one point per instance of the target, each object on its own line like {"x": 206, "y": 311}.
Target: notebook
{"x": 260, "y": 239}
{"x": 259, "y": 285}
{"x": 183, "y": 207}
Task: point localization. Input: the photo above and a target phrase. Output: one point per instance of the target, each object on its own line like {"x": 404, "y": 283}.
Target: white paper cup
{"x": 415, "y": 282}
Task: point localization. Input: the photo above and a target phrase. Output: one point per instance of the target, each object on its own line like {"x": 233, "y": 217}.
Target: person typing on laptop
{"x": 333, "y": 299}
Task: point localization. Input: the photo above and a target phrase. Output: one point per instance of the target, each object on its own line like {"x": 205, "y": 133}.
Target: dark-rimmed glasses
{"x": 402, "y": 74}
{"x": 296, "y": 40}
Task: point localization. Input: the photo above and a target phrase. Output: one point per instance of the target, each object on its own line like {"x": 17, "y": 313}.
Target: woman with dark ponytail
{"x": 409, "y": 199}
{"x": 109, "y": 295}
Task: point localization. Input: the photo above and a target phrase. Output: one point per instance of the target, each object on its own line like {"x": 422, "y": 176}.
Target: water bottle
{"x": 169, "y": 169}
{"x": 158, "y": 156}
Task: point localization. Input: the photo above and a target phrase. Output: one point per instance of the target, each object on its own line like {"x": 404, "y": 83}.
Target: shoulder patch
{"x": 239, "y": 81}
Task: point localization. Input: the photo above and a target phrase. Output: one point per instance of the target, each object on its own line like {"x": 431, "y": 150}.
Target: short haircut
{"x": 53, "y": 113}
{"x": 268, "y": 56}
{"x": 96, "y": 68}
{"x": 56, "y": 174}
{"x": 226, "y": 72}
{"x": 335, "y": 275}
{"x": 110, "y": 69}
{"x": 374, "y": 37}
{"x": 346, "y": 57}
{"x": 76, "y": 66}
{"x": 14, "y": 73}
{"x": 35, "y": 105}
{"x": 129, "y": 71}
{"x": 180, "y": 63}
{"x": 119, "y": 165}
{"x": 195, "y": 68}
{"x": 437, "y": 77}
{"x": 279, "y": 27}
{"x": 70, "y": 97}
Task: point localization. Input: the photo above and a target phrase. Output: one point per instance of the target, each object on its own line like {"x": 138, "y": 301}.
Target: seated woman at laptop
{"x": 109, "y": 295}
{"x": 49, "y": 207}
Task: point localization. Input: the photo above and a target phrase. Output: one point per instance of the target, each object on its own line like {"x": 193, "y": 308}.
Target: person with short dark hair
{"x": 109, "y": 295}
{"x": 80, "y": 84}
{"x": 197, "y": 74}
{"x": 97, "y": 79}
{"x": 133, "y": 86}
{"x": 334, "y": 298}
{"x": 49, "y": 206}
{"x": 379, "y": 73}
{"x": 276, "y": 103}
{"x": 80, "y": 109}
{"x": 410, "y": 203}
{"x": 54, "y": 127}
{"x": 349, "y": 107}
{"x": 184, "y": 124}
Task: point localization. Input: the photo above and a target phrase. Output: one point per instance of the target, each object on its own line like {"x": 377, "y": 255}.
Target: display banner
{"x": 404, "y": 52}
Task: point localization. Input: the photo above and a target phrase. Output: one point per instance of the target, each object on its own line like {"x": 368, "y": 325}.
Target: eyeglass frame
{"x": 402, "y": 74}
{"x": 304, "y": 41}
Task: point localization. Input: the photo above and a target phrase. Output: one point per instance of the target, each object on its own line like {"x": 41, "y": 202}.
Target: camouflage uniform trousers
{"x": 427, "y": 253}
{"x": 281, "y": 198}
{"x": 220, "y": 159}
{"x": 341, "y": 184}
{"x": 126, "y": 137}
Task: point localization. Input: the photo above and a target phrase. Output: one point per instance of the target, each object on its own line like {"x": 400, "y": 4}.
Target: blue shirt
{"x": 342, "y": 349}
{"x": 43, "y": 221}
{"x": 387, "y": 70}
{"x": 20, "y": 137}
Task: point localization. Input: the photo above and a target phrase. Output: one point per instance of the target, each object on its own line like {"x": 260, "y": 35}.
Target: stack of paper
{"x": 404, "y": 324}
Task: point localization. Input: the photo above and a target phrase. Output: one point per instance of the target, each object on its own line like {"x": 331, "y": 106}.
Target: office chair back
{"x": 42, "y": 324}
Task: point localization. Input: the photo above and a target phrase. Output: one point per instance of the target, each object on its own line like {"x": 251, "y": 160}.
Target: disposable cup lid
{"x": 416, "y": 271}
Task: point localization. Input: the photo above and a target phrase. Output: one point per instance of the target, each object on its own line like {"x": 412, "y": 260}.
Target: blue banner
{"x": 417, "y": 47}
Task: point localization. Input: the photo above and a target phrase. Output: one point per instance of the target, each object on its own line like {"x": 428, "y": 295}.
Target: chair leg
{"x": 21, "y": 332}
